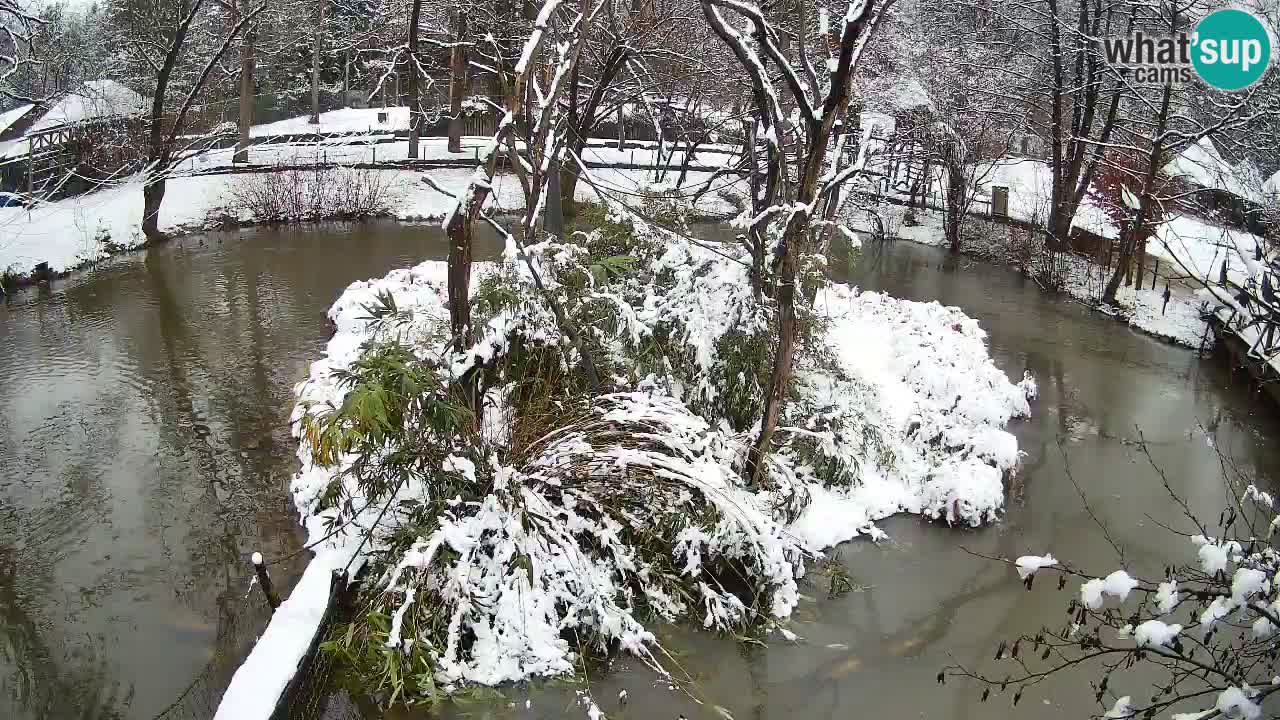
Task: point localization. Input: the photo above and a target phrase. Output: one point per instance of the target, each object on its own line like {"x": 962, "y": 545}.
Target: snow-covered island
{"x": 605, "y": 515}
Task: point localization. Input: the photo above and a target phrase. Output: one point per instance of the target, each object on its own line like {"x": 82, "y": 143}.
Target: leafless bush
{"x": 1038, "y": 258}
{"x": 310, "y": 194}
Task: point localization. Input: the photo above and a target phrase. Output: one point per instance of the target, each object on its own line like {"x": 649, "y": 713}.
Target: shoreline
{"x": 999, "y": 252}
{"x": 14, "y": 282}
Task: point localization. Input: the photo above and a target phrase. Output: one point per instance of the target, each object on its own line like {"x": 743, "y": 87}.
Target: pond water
{"x": 146, "y": 455}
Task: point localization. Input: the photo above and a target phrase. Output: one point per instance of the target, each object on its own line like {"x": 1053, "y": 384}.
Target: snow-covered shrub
{"x": 550, "y": 530}
{"x": 523, "y": 524}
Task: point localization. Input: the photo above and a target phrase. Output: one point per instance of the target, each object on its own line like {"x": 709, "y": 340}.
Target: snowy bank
{"x": 905, "y": 403}
{"x": 76, "y": 231}
{"x": 1180, "y": 320}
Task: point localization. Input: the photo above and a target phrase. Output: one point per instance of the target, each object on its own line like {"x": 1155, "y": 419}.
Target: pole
{"x": 315, "y": 65}
{"x": 264, "y": 579}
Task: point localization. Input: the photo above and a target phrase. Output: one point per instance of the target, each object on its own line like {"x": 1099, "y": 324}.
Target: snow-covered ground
{"x": 1189, "y": 242}
{"x": 74, "y": 231}
{"x": 1180, "y": 320}
{"x": 1202, "y": 249}
{"x": 1030, "y": 184}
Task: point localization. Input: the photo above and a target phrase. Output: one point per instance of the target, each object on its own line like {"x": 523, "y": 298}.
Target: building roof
{"x": 1200, "y": 164}
{"x": 93, "y": 100}
{"x": 9, "y": 117}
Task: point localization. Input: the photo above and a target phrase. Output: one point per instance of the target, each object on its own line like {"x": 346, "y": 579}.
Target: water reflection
{"x": 146, "y": 453}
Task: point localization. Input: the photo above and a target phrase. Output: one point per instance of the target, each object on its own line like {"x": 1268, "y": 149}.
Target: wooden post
{"x": 622, "y": 126}
{"x": 264, "y": 579}
{"x": 31, "y": 164}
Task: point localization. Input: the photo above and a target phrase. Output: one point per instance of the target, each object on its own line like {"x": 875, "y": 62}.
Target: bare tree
{"x": 17, "y": 27}
{"x": 531, "y": 155}
{"x": 245, "y": 124}
{"x": 317, "y": 45}
{"x": 1156, "y": 124}
{"x": 1199, "y": 642}
{"x": 415, "y": 102}
{"x": 790, "y": 210}
{"x": 164, "y": 37}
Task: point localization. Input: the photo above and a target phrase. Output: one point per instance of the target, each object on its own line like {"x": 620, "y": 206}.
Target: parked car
{"x": 8, "y": 199}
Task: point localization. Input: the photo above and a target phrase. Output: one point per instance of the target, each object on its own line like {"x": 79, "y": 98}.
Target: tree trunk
{"x": 246, "y": 96}
{"x": 780, "y": 376}
{"x": 346, "y": 79}
{"x": 152, "y": 197}
{"x": 569, "y": 188}
{"x": 315, "y": 64}
{"x": 1141, "y": 262}
{"x": 1060, "y": 217}
{"x": 553, "y": 212}
{"x": 460, "y": 280}
{"x": 582, "y": 121}
{"x": 953, "y": 213}
{"x": 415, "y": 114}
{"x": 457, "y": 80}
{"x": 459, "y": 229}
{"x": 1123, "y": 261}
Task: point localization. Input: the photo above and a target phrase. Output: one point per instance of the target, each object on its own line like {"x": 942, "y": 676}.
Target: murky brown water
{"x": 145, "y": 455}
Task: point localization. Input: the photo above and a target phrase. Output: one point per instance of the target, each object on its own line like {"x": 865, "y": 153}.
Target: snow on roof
{"x": 895, "y": 92}
{"x": 1272, "y": 185}
{"x": 1201, "y": 165}
{"x": 92, "y": 100}
{"x": 9, "y": 117}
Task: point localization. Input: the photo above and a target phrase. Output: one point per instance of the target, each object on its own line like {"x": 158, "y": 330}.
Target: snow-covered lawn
{"x": 75, "y": 231}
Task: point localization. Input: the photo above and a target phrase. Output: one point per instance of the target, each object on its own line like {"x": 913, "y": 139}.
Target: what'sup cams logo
{"x": 1229, "y": 50}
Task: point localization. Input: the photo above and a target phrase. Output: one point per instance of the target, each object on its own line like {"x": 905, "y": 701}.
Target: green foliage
{"x": 402, "y": 416}
{"x": 494, "y": 293}
{"x": 839, "y": 581}
{"x": 611, "y": 268}
{"x": 397, "y": 420}
{"x": 359, "y": 646}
